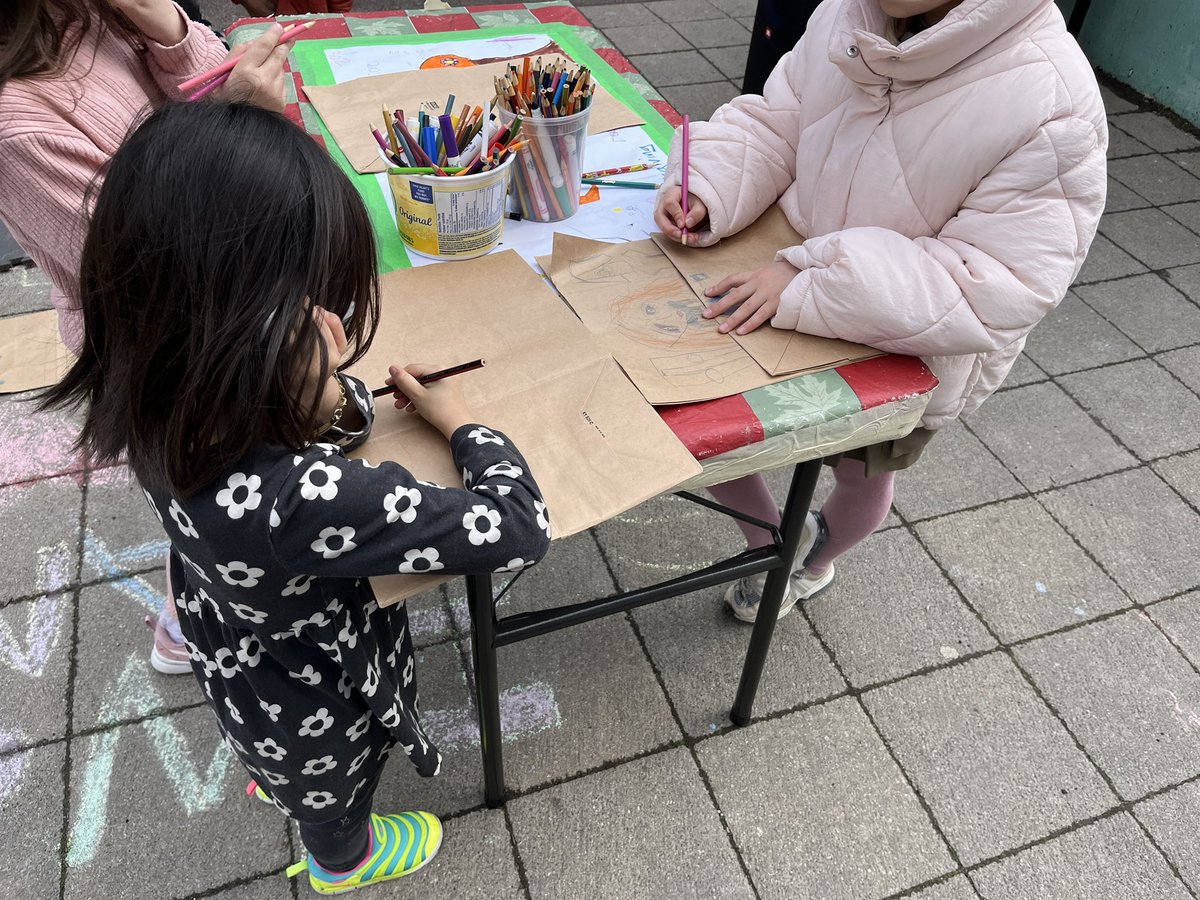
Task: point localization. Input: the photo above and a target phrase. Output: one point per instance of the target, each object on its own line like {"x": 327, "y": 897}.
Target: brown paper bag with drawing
{"x": 595, "y": 446}
{"x": 642, "y": 311}
{"x": 349, "y": 110}
{"x": 779, "y": 352}
{"x": 31, "y": 353}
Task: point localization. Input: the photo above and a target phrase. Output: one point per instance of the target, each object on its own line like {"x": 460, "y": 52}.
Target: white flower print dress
{"x": 312, "y": 683}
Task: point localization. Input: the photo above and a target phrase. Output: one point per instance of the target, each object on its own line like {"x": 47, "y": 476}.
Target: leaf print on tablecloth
{"x": 802, "y": 402}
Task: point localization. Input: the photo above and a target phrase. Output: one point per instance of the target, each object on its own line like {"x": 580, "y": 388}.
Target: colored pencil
{"x": 215, "y": 77}
{"x": 620, "y": 170}
{"x": 683, "y": 193}
{"x": 604, "y": 182}
{"x": 434, "y": 376}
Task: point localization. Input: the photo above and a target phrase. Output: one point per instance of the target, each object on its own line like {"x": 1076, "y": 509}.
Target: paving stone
{"x": 449, "y": 716}
{"x": 1019, "y": 569}
{"x": 737, "y": 7}
{"x": 1147, "y": 309}
{"x": 1145, "y": 738}
{"x": 1107, "y": 860}
{"x": 31, "y": 792}
{"x": 1121, "y": 520}
{"x": 129, "y": 783}
{"x": 1173, "y": 819}
{"x": 23, "y": 289}
{"x": 705, "y": 33}
{"x": 569, "y": 687}
{"x": 1024, "y": 371}
{"x": 1183, "y": 364}
{"x": 112, "y": 642}
{"x": 683, "y": 68}
{"x": 777, "y": 782}
{"x": 269, "y": 887}
{"x": 39, "y": 545}
{"x": 123, "y": 533}
{"x": 924, "y": 490}
{"x": 702, "y": 670}
{"x": 687, "y": 11}
{"x": 1185, "y": 213}
{"x": 1152, "y": 237}
{"x": 475, "y": 863}
{"x": 1156, "y": 178}
{"x": 1179, "y": 618}
{"x": 652, "y": 814}
{"x": 956, "y": 888}
{"x": 36, "y": 445}
{"x": 994, "y": 765}
{"x": 605, "y": 17}
{"x": 1120, "y": 145}
{"x": 1114, "y": 104}
{"x": 1182, "y": 473}
{"x": 730, "y": 60}
{"x": 1187, "y": 279}
{"x": 35, "y": 650}
{"x": 634, "y": 39}
{"x": 1074, "y": 336}
{"x": 1142, "y": 404}
{"x": 889, "y": 612}
{"x": 1188, "y": 159}
{"x": 1044, "y": 438}
{"x": 700, "y": 100}
{"x": 1121, "y": 198}
{"x": 1156, "y": 131}
{"x": 1106, "y": 260}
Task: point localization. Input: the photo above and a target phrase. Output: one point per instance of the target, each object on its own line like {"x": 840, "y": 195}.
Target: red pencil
{"x": 215, "y": 74}
{"x": 434, "y": 376}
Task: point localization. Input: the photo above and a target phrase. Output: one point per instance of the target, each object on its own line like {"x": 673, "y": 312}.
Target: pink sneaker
{"x": 167, "y": 656}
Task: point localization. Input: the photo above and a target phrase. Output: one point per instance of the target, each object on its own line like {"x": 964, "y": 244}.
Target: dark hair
{"x": 39, "y": 38}
{"x": 217, "y": 230}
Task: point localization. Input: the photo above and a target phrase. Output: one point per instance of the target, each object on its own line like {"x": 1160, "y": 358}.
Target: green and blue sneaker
{"x": 398, "y": 845}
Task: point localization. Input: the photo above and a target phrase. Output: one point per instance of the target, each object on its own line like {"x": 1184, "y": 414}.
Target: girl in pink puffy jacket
{"x": 945, "y": 162}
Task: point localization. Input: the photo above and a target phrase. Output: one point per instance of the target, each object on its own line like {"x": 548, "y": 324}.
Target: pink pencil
{"x": 218, "y": 76}
{"x": 683, "y": 194}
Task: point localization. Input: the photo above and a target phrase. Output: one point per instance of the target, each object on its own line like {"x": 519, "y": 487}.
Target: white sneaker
{"x": 745, "y": 594}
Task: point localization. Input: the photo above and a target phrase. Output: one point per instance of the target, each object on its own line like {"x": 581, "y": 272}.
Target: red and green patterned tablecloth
{"x": 804, "y": 417}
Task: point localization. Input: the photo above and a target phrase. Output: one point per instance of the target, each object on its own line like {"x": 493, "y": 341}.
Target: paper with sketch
{"x": 594, "y": 445}
{"x": 31, "y": 353}
{"x": 350, "y": 109}
{"x": 362, "y": 61}
{"x": 642, "y": 311}
{"x": 778, "y": 351}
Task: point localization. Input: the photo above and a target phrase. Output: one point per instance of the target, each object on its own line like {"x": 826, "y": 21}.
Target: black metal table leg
{"x": 487, "y": 686}
{"x": 804, "y": 482}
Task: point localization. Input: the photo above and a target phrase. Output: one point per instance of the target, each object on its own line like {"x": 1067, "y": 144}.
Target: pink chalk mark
{"x": 36, "y": 445}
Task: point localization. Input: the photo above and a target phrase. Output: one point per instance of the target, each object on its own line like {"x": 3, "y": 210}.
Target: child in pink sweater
{"x": 75, "y": 77}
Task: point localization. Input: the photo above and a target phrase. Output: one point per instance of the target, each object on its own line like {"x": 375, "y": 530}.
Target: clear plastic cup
{"x": 547, "y": 172}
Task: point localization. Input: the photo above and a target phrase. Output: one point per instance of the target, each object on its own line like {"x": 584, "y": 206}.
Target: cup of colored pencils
{"x": 552, "y": 104}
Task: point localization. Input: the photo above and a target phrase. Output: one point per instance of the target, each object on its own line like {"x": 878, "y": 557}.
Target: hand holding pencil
{"x": 439, "y": 403}
{"x": 670, "y": 218}
{"x": 253, "y": 72}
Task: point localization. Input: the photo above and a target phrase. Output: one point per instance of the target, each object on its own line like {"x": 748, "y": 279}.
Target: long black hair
{"x": 217, "y": 230}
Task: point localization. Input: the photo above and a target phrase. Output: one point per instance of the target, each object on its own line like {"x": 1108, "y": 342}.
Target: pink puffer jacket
{"x": 948, "y": 187}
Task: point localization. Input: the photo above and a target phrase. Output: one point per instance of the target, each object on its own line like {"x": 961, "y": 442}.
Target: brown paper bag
{"x": 352, "y": 108}
{"x": 779, "y": 352}
{"x": 594, "y": 445}
{"x": 31, "y": 353}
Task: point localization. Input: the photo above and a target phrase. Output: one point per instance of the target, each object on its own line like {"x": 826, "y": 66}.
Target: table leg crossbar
{"x": 490, "y": 632}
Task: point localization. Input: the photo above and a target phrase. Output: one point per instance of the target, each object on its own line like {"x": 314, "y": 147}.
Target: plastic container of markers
{"x": 548, "y": 169}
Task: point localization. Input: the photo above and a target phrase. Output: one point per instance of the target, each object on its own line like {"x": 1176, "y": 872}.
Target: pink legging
{"x": 855, "y": 508}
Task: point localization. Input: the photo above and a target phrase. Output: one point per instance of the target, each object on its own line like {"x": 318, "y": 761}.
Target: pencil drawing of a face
{"x": 655, "y": 314}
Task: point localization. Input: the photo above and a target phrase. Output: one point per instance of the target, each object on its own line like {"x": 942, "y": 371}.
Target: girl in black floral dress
{"x": 215, "y": 319}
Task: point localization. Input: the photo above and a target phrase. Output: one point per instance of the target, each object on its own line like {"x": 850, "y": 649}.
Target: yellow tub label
{"x": 447, "y": 218}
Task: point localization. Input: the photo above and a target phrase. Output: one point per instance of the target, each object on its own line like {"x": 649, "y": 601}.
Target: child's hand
{"x": 157, "y": 20}
{"x": 258, "y": 76}
{"x": 758, "y": 292}
{"x": 668, "y": 214}
{"x": 441, "y": 403}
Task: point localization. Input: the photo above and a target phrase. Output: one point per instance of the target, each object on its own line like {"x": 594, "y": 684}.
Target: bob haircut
{"x": 217, "y": 230}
